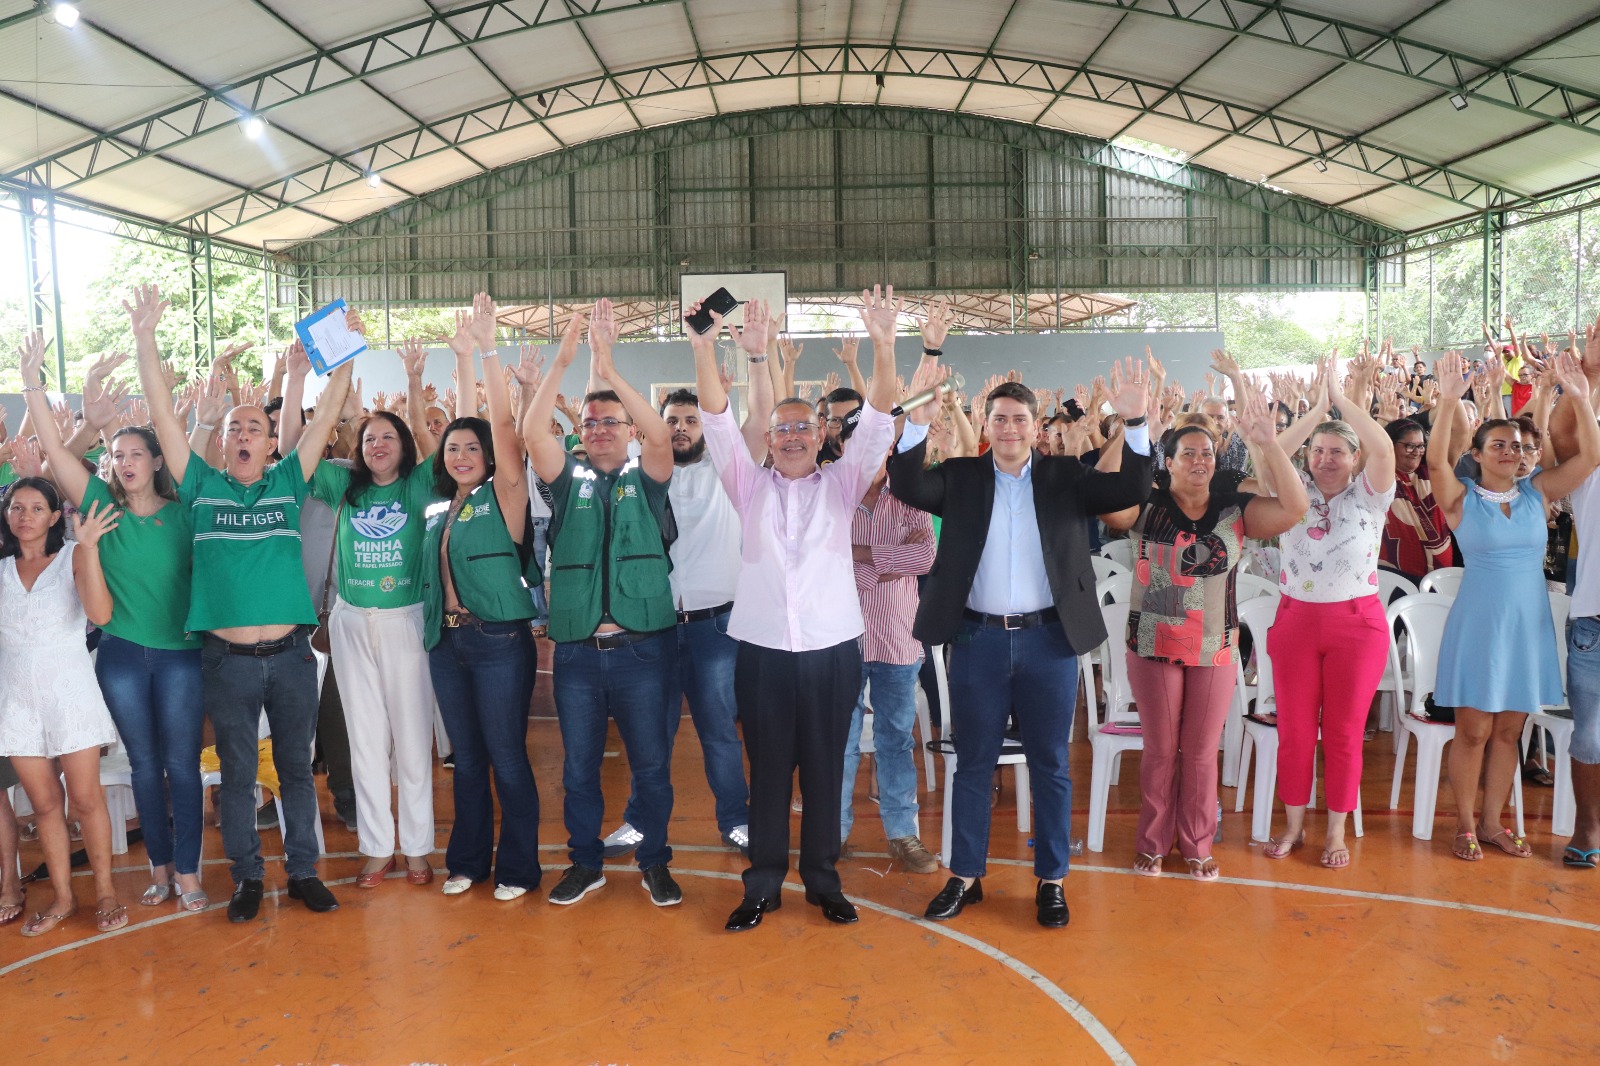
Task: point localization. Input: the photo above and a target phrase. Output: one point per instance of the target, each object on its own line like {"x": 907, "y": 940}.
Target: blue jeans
{"x": 237, "y": 688}
{"x": 994, "y": 674}
{"x": 894, "y": 714}
{"x": 483, "y": 679}
{"x": 1583, "y": 687}
{"x": 631, "y": 684}
{"x": 706, "y": 657}
{"x": 154, "y": 697}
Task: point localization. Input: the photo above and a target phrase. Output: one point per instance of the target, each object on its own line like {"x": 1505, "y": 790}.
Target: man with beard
{"x": 842, "y": 403}
{"x": 705, "y": 570}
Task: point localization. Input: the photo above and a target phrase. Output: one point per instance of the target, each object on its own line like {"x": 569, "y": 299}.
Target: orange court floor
{"x": 1409, "y": 955}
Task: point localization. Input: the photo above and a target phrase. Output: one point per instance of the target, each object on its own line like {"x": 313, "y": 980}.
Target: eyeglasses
{"x": 834, "y": 421}
{"x": 793, "y": 429}
{"x": 1413, "y": 449}
{"x": 589, "y": 425}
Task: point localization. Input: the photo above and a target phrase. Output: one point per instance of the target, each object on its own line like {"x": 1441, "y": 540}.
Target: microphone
{"x": 953, "y": 383}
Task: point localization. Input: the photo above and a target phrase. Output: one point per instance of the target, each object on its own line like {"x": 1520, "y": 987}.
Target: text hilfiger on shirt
{"x": 249, "y": 518}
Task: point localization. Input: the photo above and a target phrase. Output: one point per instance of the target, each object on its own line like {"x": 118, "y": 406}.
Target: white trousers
{"x": 388, "y": 709}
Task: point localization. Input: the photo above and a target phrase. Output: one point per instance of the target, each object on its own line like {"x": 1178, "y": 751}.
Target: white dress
{"x": 50, "y": 702}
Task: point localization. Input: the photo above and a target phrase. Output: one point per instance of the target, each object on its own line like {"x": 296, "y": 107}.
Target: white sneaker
{"x": 622, "y": 840}
{"x": 506, "y": 893}
{"x": 738, "y": 837}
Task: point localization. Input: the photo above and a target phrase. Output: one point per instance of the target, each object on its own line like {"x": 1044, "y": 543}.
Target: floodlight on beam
{"x": 1458, "y": 101}
{"x": 1321, "y": 165}
{"x": 65, "y": 14}
{"x": 374, "y": 179}
{"x": 254, "y": 126}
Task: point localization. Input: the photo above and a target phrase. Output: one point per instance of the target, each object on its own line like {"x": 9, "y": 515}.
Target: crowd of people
{"x": 784, "y": 573}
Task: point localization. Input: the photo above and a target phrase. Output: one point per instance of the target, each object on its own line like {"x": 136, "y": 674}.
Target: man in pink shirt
{"x": 795, "y": 610}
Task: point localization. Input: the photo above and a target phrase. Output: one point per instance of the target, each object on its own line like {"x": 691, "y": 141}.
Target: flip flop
{"x": 1471, "y": 853}
{"x": 42, "y": 923}
{"x": 1577, "y": 858}
{"x": 107, "y": 919}
{"x": 1198, "y": 871}
{"x": 1153, "y": 870}
{"x": 10, "y": 912}
{"x": 1279, "y": 848}
{"x": 1331, "y": 854}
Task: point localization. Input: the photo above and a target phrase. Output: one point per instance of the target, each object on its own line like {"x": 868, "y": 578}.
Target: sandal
{"x": 1330, "y": 857}
{"x": 157, "y": 894}
{"x": 194, "y": 901}
{"x": 1538, "y": 775}
{"x": 1199, "y": 871}
{"x": 1516, "y": 847}
{"x": 10, "y": 912}
{"x": 42, "y": 923}
{"x": 1470, "y": 853}
{"x": 1577, "y": 858}
{"x": 1147, "y": 865}
{"x": 107, "y": 919}
{"x": 1280, "y": 847}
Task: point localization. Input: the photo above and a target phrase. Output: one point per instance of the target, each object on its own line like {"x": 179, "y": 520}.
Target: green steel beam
{"x": 1078, "y": 82}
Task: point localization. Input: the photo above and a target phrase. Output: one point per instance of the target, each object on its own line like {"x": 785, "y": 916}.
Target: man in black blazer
{"x": 1012, "y": 591}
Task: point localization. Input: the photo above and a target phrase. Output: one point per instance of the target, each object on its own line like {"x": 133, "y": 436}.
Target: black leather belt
{"x": 1014, "y": 621}
{"x": 705, "y": 612}
{"x": 610, "y": 641}
{"x": 261, "y": 649}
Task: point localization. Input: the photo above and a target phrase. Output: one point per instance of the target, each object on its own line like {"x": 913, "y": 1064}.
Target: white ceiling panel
{"x": 538, "y": 59}
{"x": 1438, "y": 131}
{"x": 342, "y": 119}
{"x": 741, "y": 25}
{"x": 513, "y": 146}
{"x": 779, "y": 92}
{"x": 280, "y": 226}
{"x": 1171, "y": 133}
{"x": 1337, "y": 183}
{"x": 1051, "y": 30}
{"x": 253, "y": 41}
{"x": 440, "y": 85}
{"x": 956, "y": 24}
{"x": 921, "y": 92}
{"x": 1571, "y": 60}
{"x": 1355, "y": 99}
{"x": 1382, "y": 15}
{"x": 85, "y": 74}
{"x": 1547, "y": 159}
{"x": 641, "y": 37}
{"x": 434, "y": 171}
{"x": 604, "y": 121}
{"x": 155, "y": 189}
{"x": 1014, "y": 104}
{"x": 1158, "y": 50}
{"x": 357, "y": 199}
{"x": 834, "y": 88}
{"x": 1488, "y": 28}
{"x": 823, "y": 20}
{"x": 338, "y": 23}
{"x": 228, "y": 153}
{"x": 682, "y": 106}
{"x": 875, "y": 21}
{"x": 1087, "y": 117}
{"x": 1249, "y": 159}
{"x": 1259, "y": 73}
{"x": 28, "y": 134}
{"x": 1405, "y": 208}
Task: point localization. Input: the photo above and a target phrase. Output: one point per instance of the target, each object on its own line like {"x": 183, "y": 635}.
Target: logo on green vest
{"x": 466, "y": 514}
{"x": 387, "y": 584}
{"x": 627, "y": 491}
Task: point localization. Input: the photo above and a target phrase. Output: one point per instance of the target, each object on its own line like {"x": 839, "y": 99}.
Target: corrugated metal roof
{"x": 437, "y": 93}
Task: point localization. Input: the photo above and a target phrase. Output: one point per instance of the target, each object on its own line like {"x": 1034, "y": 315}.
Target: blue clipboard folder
{"x": 326, "y": 340}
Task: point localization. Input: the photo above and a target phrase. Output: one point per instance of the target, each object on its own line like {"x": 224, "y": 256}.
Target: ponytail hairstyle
{"x": 160, "y": 478}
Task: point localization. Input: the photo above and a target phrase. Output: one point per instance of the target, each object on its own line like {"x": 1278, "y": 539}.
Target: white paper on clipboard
{"x": 327, "y": 340}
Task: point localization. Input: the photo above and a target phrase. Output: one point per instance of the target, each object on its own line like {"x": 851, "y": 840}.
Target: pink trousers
{"x": 1327, "y": 660}
{"x": 1182, "y": 710}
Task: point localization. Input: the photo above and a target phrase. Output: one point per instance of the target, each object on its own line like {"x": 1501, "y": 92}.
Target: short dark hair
{"x": 792, "y": 401}
{"x": 445, "y": 485}
{"x": 1012, "y": 390}
{"x": 273, "y": 406}
{"x": 57, "y": 535}
{"x": 1530, "y": 428}
{"x": 679, "y": 398}
{"x": 843, "y": 394}
{"x": 602, "y": 396}
{"x": 1488, "y": 426}
{"x": 1401, "y": 426}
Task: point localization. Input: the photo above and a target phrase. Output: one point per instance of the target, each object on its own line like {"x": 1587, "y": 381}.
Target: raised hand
{"x": 353, "y": 322}
{"x": 1569, "y": 372}
{"x": 296, "y": 361}
{"x": 89, "y": 526}
{"x": 484, "y": 322}
{"x": 789, "y": 353}
{"x": 100, "y": 401}
{"x": 830, "y": 383}
{"x": 1450, "y": 371}
{"x": 413, "y": 357}
{"x": 848, "y": 350}
{"x": 602, "y": 335}
{"x": 724, "y": 376}
{"x": 752, "y": 336}
{"x": 936, "y": 327}
{"x": 1129, "y": 397}
{"x": 31, "y": 351}
{"x": 1254, "y": 419}
{"x": 145, "y": 312}
{"x": 928, "y": 375}
{"x": 1224, "y": 364}
{"x": 880, "y": 313}
{"x": 461, "y": 342}
{"x": 211, "y": 400}
{"x": 529, "y": 367}
{"x": 26, "y": 458}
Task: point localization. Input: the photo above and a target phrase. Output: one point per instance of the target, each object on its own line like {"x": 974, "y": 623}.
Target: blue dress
{"x": 1499, "y": 646}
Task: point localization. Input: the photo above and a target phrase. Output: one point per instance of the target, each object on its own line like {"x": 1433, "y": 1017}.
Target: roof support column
{"x": 661, "y": 232}
{"x": 1017, "y": 228}
{"x": 1494, "y": 269}
{"x": 200, "y": 308}
{"x": 39, "y": 266}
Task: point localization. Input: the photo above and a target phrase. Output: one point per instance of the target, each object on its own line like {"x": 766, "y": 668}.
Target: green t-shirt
{"x": 247, "y": 569}
{"x": 380, "y": 539}
{"x": 8, "y": 474}
{"x": 147, "y": 565}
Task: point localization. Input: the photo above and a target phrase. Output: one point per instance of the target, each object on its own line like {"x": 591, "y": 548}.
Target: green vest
{"x": 491, "y": 580}
{"x": 608, "y": 561}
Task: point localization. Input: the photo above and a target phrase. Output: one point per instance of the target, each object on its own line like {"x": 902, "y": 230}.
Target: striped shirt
{"x": 901, "y": 539}
{"x": 247, "y": 569}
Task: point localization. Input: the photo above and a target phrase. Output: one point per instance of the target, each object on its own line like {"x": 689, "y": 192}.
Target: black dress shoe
{"x": 952, "y": 898}
{"x": 748, "y": 914}
{"x": 834, "y": 906}
{"x": 1052, "y": 904}
{"x": 313, "y": 893}
{"x": 246, "y": 901}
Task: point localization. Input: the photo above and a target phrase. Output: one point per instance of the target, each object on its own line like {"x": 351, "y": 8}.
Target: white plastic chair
{"x": 1247, "y": 587}
{"x": 1392, "y": 686}
{"x": 1445, "y": 580}
{"x": 1564, "y": 805}
{"x": 1010, "y": 755}
{"x": 1390, "y": 583}
{"x": 1120, "y": 550}
{"x": 1114, "y": 588}
{"x": 1104, "y": 567}
{"x": 924, "y": 722}
{"x": 116, "y": 778}
{"x": 1113, "y": 728}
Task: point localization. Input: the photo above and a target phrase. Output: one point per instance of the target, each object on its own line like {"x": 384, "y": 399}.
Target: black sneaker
{"x": 246, "y": 901}
{"x": 576, "y": 883}
{"x": 313, "y": 893}
{"x": 267, "y": 816}
{"x": 664, "y": 891}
